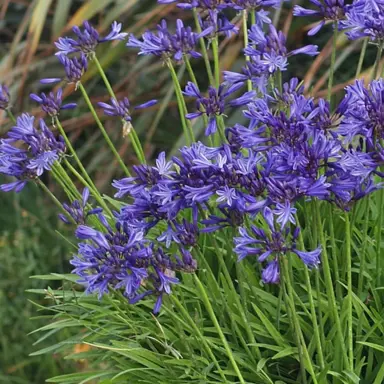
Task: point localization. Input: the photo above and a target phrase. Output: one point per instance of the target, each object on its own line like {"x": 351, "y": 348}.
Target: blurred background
{"x": 29, "y": 240}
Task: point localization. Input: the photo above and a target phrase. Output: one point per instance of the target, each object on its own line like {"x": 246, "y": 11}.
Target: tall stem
{"x": 11, "y": 115}
{"x": 311, "y": 304}
{"x": 378, "y": 235}
{"x": 349, "y": 284}
{"x": 103, "y": 131}
{"x": 73, "y": 152}
{"x": 328, "y": 281}
{"x": 203, "y": 48}
{"x": 216, "y": 324}
{"x": 377, "y": 61}
{"x": 132, "y": 133}
{"x": 245, "y": 33}
{"x": 361, "y": 58}
{"x": 333, "y": 58}
{"x": 190, "y": 137}
{"x": 51, "y": 195}
{"x": 216, "y": 61}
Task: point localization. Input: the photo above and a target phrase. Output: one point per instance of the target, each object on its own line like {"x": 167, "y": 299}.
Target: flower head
{"x": 87, "y": 39}
{"x": 39, "y": 152}
{"x": 4, "y": 96}
{"x": 167, "y": 45}
{"x": 52, "y": 103}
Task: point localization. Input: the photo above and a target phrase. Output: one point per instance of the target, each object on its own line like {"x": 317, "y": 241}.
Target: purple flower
{"x": 74, "y": 69}
{"x": 250, "y": 5}
{"x": 51, "y": 103}
{"x": 37, "y": 150}
{"x": 4, "y": 96}
{"x": 271, "y": 273}
{"x": 269, "y": 50}
{"x": 214, "y": 104}
{"x": 184, "y": 4}
{"x": 365, "y": 18}
{"x": 167, "y": 45}
{"x": 121, "y": 108}
{"x": 310, "y": 259}
{"x": 87, "y": 39}
{"x": 327, "y": 10}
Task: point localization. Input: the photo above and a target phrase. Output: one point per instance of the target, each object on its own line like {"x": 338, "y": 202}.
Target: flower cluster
{"x": 4, "y": 97}
{"x": 40, "y": 150}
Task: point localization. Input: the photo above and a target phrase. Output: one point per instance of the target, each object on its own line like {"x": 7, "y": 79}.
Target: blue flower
{"x": 327, "y": 10}
{"x": 51, "y": 103}
{"x": 4, "y": 96}
{"x": 87, "y": 39}
{"x": 271, "y": 273}
{"x": 167, "y": 45}
{"x": 36, "y": 150}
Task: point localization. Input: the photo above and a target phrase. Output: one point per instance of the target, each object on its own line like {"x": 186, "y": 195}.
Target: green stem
{"x": 364, "y": 248}
{"x": 246, "y": 41}
{"x": 349, "y": 284}
{"x": 11, "y": 115}
{"x": 73, "y": 152}
{"x": 200, "y": 337}
{"x": 203, "y": 48}
{"x": 52, "y": 196}
{"x": 216, "y": 324}
{"x": 334, "y": 253}
{"x": 377, "y": 61}
{"x": 361, "y": 58}
{"x": 102, "y": 129}
{"x": 328, "y": 281}
{"x": 215, "y": 50}
{"x": 311, "y": 303}
{"x": 190, "y": 70}
{"x": 190, "y": 137}
{"x": 94, "y": 191}
{"x": 333, "y": 59}
{"x": 378, "y": 235}
{"x": 133, "y": 135}
{"x": 290, "y": 307}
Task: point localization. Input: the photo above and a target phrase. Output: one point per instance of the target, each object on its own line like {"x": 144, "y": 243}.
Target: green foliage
{"x": 223, "y": 326}
{"x": 28, "y": 245}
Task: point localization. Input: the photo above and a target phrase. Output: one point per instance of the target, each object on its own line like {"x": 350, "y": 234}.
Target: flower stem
{"x": 328, "y": 281}
{"x": 73, "y": 152}
{"x": 246, "y": 41}
{"x": 361, "y": 58}
{"x": 102, "y": 129}
{"x": 349, "y": 284}
{"x": 333, "y": 59}
{"x": 11, "y": 115}
{"x": 93, "y": 190}
{"x": 215, "y": 49}
{"x": 132, "y": 133}
{"x": 182, "y": 106}
{"x": 290, "y": 305}
{"x": 51, "y": 195}
{"x": 216, "y": 324}
{"x": 378, "y": 235}
{"x": 311, "y": 303}
{"x": 190, "y": 70}
{"x": 363, "y": 250}
{"x": 203, "y": 48}
{"x": 377, "y": 61}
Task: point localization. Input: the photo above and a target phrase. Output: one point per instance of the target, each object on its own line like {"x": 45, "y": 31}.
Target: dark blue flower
{"x": 87, "y": 39}
{"x": 214, "y": 104}
{"x": 38, "y": 151}
{"x": 327, "y": 10}
{"x": 52, "y": 103}
{"x": 121, "y": 108}
{"x": 74, "y": 69}
{"x": 365, "y": 18}
{"x": 4, "y": 96}
{"x": 271, "y": 273}
{"x": 167, "y": 45}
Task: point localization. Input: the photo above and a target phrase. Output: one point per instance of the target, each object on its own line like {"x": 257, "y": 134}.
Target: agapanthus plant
{"x": 234, "y": 211}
